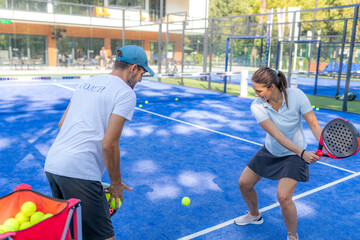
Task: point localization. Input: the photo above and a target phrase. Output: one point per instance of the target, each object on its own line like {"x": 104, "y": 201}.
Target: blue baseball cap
{"x": 135, "y": 55}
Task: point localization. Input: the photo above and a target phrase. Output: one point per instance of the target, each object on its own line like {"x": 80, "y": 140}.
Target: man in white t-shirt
{"x": 88, "y": 141}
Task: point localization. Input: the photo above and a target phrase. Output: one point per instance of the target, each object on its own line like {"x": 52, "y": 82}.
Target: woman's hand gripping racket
{"x": 339, "y": 138}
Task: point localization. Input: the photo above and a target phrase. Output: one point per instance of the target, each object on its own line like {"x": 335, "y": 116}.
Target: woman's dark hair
{"x": 267, "y": 77}
{"x": 122, "y": 65}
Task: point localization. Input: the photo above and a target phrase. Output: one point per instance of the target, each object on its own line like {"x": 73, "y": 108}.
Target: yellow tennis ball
{"x": 112, "y": 204}
{"x": 25, "y": 225}
{"x": 47, "y": 216}
{"x": 185, "y": 201}
{"x": 28, "y": 209}
{"x": 21, "y": 218}
{"x": 13, "y": 223}
{"x": 6, "y": 228}
{"x": 36, "y": 218}
{"x": 176, "y": 99}
{"x": 140, "y": 105}
{"x": 317, "y": 109}
{"x": 146, "y": 102}
{"x": 313, "y": 106}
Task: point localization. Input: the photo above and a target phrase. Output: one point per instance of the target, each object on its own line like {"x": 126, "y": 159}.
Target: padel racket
{"x": 339, "y": 138}
{"x": 112, "y": 210}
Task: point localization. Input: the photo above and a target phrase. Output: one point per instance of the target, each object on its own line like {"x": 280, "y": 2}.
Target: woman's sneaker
{"x": 249, "y": 219}
{"x": 292, "y": 237}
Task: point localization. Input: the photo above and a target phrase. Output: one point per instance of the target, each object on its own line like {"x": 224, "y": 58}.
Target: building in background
{"x": 61, "y": 33}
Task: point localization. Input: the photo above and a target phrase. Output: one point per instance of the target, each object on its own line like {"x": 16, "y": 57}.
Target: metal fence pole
{"x": 348, "y": 74}
{"x": 205, "y": 49}
{"x": 123, "y": 30}
{"x": 182, "y": 50}
{"x": 166, "y": 45}
{"x": 211, "y": 50}
{"x": 291, "y": 48}
{"x": 160, "y": 38}
{"x": 341, "y": 57}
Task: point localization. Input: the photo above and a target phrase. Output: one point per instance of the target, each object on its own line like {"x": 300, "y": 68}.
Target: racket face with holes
{"x": 340, "y": 139}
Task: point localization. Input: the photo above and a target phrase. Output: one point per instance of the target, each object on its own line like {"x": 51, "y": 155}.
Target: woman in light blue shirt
{"x": 278, "y": 110}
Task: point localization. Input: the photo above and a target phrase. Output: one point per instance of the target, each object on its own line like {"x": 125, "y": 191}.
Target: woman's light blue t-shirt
{"x": 287, "y": 120}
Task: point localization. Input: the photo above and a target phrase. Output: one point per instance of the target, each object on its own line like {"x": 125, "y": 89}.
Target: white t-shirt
{"x": 287, "y": 120}
{"x": 77, "y": 150}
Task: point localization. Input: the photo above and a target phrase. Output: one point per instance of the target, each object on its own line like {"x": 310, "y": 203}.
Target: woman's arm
{"x": 313, "y": 123}
{"x": 270, "y": 127}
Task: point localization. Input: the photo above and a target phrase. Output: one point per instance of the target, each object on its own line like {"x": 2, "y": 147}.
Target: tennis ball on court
{"x": 176, "y": 99}
{"x": 21, "y": 217}
{"x": 313, "y": 106}
{"x": 317, "y": 109}
{"x": 47, "y": 216}
{"x": 112, "y": 204}
{"x": 28, "y": 209}
{"x": 185, "y": 201}
{"x": 140, "y": 105}
{"x": 146, "y": 102}
{"x": 6, "y": 228}
{"x": 36, "y": 218}
{"x": 25, "y": 225}
{"x": 13, "y": 223}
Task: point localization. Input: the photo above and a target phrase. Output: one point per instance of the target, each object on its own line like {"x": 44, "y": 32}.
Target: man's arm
{"x": 63, "y": 116}
{"x": 111, "y": 155}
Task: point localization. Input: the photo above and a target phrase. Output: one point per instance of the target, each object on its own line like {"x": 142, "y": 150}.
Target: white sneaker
{"x": 249, "y": 219}
{"x": 292, "y": 237}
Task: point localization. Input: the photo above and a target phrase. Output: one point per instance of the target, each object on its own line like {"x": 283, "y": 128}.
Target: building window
{"x": 116, "y": 44}
{"x": 128, "y": 3}
{"x": 22, "y": 49}
{"x": 28, "y": 5}
{"x": 83, "y": 51}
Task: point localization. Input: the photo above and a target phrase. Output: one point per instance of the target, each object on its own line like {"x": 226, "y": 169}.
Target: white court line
{"x": 204, "y": 128}
{"x": 60, "y": 85}
{"x": 340, "y": 168}
{"x": 264, "y": 209}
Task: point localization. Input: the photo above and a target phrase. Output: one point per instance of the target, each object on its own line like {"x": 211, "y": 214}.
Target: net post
{"x": 352, "y": 42}
{"x": 317, "y": 67}
{"x": 341, "y": 57}
{"x": 226, "y": 62}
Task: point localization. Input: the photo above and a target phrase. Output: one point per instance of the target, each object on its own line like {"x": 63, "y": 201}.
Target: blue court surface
{"x": 195, "y": 146}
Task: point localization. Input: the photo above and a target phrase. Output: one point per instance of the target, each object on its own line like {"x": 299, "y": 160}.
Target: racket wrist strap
{"x": 302, "y": 154}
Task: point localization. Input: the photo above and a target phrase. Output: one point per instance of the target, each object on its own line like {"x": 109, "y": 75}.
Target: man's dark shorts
{"x": 96, "y": 222}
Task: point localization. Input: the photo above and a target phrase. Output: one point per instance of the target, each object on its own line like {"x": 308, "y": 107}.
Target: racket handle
{"x": 320, "y": 153}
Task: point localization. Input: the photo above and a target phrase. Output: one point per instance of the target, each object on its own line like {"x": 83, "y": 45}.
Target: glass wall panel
{"x": 154, "y": 52}
{"x": 23, "y": 49}
{"x": 117, "y": 44}
{"x": 128, "y": 3}
{"x": 28, "y": 5}
{"x": 84, "y": 50}
{"x": 4, "y": 49}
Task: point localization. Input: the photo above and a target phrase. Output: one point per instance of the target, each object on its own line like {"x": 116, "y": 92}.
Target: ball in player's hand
{"x": 185, "y": 201}
{"x": 28, "y": 209}
{"x": 112, "y": 204}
